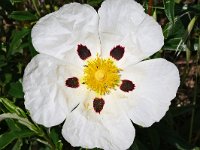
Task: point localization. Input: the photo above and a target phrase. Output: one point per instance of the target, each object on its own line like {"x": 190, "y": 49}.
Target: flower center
{"x": 101, "y": 75}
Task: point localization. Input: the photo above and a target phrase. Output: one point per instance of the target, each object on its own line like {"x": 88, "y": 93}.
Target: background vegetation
{"x": 179, "y": 129}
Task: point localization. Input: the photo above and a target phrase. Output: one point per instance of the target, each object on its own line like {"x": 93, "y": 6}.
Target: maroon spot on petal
{"x": 98, "y": 104}
{"x": 72, "y": 82}
{"x": 127, "y": 86}
{"x": 117, "y": 52}
{"x": 83, "y": 52}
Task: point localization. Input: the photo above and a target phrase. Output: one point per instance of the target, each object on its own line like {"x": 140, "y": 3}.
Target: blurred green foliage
{"x": 179, "y": 129}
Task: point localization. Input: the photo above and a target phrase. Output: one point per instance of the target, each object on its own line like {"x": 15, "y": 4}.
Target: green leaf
{"x": 21, "y": 120}
{"x": 15, "y": 1}
{"x": 155, "y": 14}
{"x": 55, "y": 138}
{"x": 174, "y": 34}
{"x": 2, "y": 61}
{"x": 174, "y": 30}
{"x": 187, "y": 32}
{"x": 16, "y": 90}
{"x": 169, "y": 9}
{"x": 59, "y": 145}
{"x": 195, "y": 9}
{"x": 94, "y": 3}
{"x": 12, "y": 108}
{"x": 22, "y": 16}
{"x": 191, "y": 24}
{"x": 172, "y": 44}
{"x": 54, "y": 135}
{"x": 177, "y": 1}
{"x": 16, "y": 41}
{"x": 8, "y": 137}
{"x": 12, "y": 124}
{"x": 18, "y": 144}
{"x": 8, "y": 78}
{"x": 30, "y": 47}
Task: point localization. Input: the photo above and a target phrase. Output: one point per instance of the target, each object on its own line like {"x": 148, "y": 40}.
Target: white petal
{"x": 59, "y": 33}
{"x": 46, "y": 96}
{"x": 85, "y": 128}
{"x": 123, "y": 22}
{"x": 156, "y": 83}
{"x": 149, "y": 36}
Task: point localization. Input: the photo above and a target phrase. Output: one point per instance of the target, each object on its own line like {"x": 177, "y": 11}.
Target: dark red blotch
{"x": 98, "y": 104}
{"x": 72, "y": 82}
{"x": 127, "y": 86}
{"x": 83, "y": 52}
{"x": 117, "y": 52}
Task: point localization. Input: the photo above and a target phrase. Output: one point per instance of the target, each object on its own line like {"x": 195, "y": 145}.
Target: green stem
{"x": 44, "y": 135}
{"x": 195, "y": 96}
{"x": 157, "y": 7}
{"x": 35, "y": 6}
{"x": 52, "y": 146}
{"x": 43, "y": 142}
{"x": 193, "y": 113}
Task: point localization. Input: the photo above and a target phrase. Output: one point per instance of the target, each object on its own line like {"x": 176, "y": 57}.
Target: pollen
{"x": 101, "y": 75}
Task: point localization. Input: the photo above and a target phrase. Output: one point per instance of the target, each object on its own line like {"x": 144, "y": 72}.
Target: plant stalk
{"x": 36, "y": 8}
{"x": 195, "y": 96}
{"x": 150, "y": 6}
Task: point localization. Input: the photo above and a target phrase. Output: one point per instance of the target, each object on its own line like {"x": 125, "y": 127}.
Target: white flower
{"x": 90, "y": 73}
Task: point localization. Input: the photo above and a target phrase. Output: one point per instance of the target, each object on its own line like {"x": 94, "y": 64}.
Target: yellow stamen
{"x": 101, "y": 75}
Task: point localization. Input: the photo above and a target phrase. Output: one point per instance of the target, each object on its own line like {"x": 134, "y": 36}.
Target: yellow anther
{"x": 101, "y": 75}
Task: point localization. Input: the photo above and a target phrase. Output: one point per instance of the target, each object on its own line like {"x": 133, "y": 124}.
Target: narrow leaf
{"x": 7, "y": 138}
{"x": 21, "y": 120}
{"x": 22, "y": 16}
{"x": 16, "y": 41}
{"x": 169, "y": 9}
{"x": 18, "y": 144}
{"x": 11, "y": 107}
{"x": 15, "y": 1}
{"x": 191, "y": 24}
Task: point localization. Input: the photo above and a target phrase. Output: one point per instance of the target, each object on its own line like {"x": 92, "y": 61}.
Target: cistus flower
{"x": 91, "y": 73}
